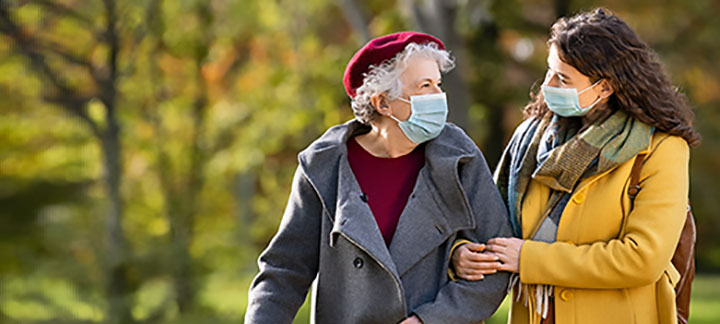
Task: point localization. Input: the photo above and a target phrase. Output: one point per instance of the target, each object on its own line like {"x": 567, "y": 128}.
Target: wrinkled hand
{"x": 508, "y": 250}
{"x": 471, "y": 262}
{"x": 411, "y": 320}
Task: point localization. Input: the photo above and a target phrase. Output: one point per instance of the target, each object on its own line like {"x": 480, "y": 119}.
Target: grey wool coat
{"x": 328, "y": 235}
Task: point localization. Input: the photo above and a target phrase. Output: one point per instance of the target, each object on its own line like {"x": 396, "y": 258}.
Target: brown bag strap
{"x": 684, "y": 257}
{"x": 634, "y": 186}
{"x": 684, "y": 262}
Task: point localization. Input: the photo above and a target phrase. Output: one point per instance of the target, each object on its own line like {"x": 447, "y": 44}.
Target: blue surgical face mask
{"x": 565, "y": 101}
{"x": 427, "y": 117}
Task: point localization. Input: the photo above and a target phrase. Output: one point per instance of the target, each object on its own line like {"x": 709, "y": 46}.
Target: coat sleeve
{"x": 638, "y": 257}
{"x": 473, "y": 301}
{"x": 290, "y": 262}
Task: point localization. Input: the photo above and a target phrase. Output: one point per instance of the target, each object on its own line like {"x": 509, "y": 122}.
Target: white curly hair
{"x": 385, "y": 78}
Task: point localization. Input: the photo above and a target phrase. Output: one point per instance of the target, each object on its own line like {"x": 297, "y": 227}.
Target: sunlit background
{"x": 147, "y": 146}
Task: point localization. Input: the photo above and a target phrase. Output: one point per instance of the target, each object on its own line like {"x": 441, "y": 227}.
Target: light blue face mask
{"x": 565, "y": 101}
{"x": 427, "y": 117}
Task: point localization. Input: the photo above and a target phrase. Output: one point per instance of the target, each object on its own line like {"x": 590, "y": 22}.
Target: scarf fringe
{"x": 542, "y": 294}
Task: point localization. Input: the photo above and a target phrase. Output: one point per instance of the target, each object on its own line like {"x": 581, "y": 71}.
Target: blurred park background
{"x": 147, "y": 146}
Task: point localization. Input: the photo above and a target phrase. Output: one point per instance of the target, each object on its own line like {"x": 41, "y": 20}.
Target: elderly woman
{"x": 594, "y": 248}
{"x": 376, "y": 204}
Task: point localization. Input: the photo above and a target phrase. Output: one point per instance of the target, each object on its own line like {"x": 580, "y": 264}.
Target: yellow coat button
{"x": 579, "y": 197}
{"x": 565, "y": 294}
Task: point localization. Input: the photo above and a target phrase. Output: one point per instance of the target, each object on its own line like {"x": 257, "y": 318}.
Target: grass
{"x": 223, "y": 300}
{"x": 705, "y": 300}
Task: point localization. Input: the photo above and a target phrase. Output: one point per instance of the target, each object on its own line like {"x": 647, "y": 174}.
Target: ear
{"x": 606, "y": 89}
{"x": 380, "y": 103}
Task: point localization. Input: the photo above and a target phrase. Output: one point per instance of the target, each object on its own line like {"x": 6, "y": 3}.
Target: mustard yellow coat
{"x": 611, "y": 264}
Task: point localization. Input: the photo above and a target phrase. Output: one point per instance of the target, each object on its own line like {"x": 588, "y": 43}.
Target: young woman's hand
{"x": 508, "y": 250}
{"x": 471, "y": 262}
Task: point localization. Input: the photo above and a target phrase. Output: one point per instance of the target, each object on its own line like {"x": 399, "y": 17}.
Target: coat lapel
{"x": 355, "y": 221}
{"x": 429, "y": 218}
{"x": 421, "y": 228}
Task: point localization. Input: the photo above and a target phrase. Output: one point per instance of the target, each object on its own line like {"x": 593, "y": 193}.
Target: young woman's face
{"x": 563, "y": 75}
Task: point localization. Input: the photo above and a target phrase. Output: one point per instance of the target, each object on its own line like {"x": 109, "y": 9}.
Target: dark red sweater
{"x": 386, "y": 182}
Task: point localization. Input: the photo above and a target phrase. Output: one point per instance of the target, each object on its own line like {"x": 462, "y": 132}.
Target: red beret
{"x": 378, "y": 50}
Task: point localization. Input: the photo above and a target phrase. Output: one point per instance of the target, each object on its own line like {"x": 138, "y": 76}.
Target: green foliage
{"x": 214, "y": 100}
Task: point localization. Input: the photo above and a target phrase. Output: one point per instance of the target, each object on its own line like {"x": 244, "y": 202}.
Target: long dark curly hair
{"x": 600, "y": 45}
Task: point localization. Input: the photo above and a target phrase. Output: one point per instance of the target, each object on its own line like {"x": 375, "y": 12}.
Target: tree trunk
{"x": 356, "y": 19}
{"x": 456, "y": 88}
{"x": 495, "y": 141}
{"x": 180, "y": 196}
{"x": 184, "y": 276}
{"x": 495, "y": 95}
{"x": 117, "y": 255}
{"x": 437, "y": 17}
{"x": 562, "y": 8}
{"x": 118, "y": 288}
{"x": 245, "y": 190}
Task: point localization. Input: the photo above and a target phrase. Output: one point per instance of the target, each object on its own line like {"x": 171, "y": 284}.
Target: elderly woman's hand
{"x": 471, "y": 262}
{"x": 508, "y": 250}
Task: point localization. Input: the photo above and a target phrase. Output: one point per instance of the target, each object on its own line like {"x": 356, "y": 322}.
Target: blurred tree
{"x": 215, "y": 99}
{"x": 182, "y": 183}
{"x": 50, "y": 59}
{"x": 181, "y": 187}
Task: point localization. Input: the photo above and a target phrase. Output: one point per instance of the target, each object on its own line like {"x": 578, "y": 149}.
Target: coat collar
{"x": 436, "y": 209}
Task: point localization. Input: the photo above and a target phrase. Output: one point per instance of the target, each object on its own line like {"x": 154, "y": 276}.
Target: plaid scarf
{"x": 551, "y": 151}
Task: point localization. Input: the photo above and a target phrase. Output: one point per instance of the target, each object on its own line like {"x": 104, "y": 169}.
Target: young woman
{"x": 586, "y": 253}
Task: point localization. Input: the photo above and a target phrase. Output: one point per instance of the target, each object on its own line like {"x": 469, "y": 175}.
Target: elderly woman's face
{"x": 422, "y": 76}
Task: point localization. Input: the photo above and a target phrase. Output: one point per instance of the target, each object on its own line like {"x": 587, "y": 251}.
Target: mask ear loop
{"x": 395, "y": 118}
{"x": 592, "y": 104}
{"x": 588, "y": 88}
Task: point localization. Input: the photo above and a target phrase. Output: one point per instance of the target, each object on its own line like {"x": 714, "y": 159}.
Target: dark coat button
{"x": 358, "y": 263}
{"x": 364, "y": 197}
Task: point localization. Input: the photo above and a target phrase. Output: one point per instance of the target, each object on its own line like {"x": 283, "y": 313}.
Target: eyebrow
{"x": 562, "y": 75}
{"x": 427, "y": 79}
